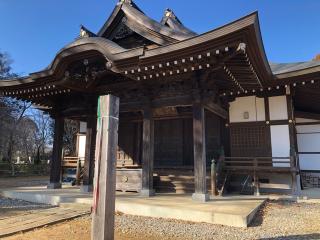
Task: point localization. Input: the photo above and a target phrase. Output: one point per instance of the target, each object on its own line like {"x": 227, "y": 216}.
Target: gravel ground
{"x": 277, "y": 220}
{"x": 8, "y": 203}
{"x": 12, "y": 207}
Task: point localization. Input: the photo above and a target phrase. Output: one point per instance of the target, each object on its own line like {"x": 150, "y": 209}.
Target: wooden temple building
{"x": 185, "y": 99}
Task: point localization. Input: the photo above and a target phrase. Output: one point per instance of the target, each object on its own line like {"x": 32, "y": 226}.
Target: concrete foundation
{"x": 231, "y": 211}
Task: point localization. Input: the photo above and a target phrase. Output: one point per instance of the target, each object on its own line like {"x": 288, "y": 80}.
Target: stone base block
{"x": 54, "y": 186}
{"x": 200, "y": 197}
{"x": 86, "y": 188}
{"x": 147, "y": 193}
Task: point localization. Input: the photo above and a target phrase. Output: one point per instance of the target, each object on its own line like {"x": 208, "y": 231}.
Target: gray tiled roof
{"x": 278, "y": 68}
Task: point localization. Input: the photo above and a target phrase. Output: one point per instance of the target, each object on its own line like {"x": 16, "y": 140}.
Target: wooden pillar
{"x": 147, "y": 153}
{"x": 295, "y": 176}
{"x": 103, "y": 209}
{"x": 138, "y": 138}
{"x": 88, "y": 170}
{"x": 199, "y": 150}
{"x": 55, "y": 170}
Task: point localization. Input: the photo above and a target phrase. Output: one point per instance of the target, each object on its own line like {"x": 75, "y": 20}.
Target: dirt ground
{"x": 75, "y": 229}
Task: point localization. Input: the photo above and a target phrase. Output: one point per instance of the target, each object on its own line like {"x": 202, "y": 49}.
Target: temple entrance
{"x": 174, "y": 156}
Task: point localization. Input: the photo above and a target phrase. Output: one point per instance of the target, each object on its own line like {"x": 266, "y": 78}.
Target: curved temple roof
{"x": 129, "y": 14}
{"x": 246, "y": 29}
{"x": 295, "y": 68}
{"x": 238, "y": 41}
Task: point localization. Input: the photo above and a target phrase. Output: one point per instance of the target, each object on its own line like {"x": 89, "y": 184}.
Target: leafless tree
{"x": 43, "y": 135}
{"x": 71, "y": 128}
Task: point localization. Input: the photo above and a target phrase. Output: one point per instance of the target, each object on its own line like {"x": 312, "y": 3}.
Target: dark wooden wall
{"x": 173, "y": 141}
{"x": 168, "y": 141}
{"x": 213, "y": 136}
{"x": 129, "y": 145}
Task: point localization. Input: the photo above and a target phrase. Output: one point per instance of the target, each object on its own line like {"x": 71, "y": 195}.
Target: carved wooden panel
{"x": 129, "y": 180}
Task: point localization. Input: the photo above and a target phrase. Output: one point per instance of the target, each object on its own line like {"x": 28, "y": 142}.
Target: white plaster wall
{"x": 280, "y": 144}
{"x": 314, "y": 128}
{"x": 83, "y": 127}
{"x": 308, "y": 138}
{"x": 309, "y": 161}
{"x": 251, "y": 104}
{"x": 308, "y": 142}
{"x": 278, "y": 108}
{"x": 82, "y": 146}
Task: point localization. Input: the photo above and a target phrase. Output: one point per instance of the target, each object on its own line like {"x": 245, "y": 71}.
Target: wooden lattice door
{"x": 250, "y": 140}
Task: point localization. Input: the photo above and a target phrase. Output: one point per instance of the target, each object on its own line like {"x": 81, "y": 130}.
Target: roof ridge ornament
{"x": 242, "y": 47}
{"x": 84, "y": 32}
{"x": 125, "y": 1}
{"x": 169, "y": 13}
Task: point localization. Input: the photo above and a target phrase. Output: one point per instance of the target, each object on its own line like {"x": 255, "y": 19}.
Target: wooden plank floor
{"x": 39, "y": 218}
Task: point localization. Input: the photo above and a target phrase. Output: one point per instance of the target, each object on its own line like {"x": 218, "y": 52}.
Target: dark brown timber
{"x": 199, "y": 148}
{"x": 88, "y": 170}
{"x": 147, "y": 152}
{"x": 55, "y": 171}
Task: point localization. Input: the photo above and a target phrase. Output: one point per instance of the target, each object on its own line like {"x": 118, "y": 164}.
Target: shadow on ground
{"x": 312, "y": 236}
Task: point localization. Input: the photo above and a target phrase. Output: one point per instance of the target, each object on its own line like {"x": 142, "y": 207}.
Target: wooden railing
{"x": 251, "y": 166}
{"x": 73, "y": 162}
{"x": 272, "y": 164}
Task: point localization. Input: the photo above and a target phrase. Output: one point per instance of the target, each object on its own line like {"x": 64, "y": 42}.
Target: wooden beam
{"x": 300, "y": 114}
{"x": 55, "y": 166}
{"x": 216, "y": 109}
{"x": 147, "y": 152}
{"x": 105, "y": 177}
{"x": 184, "y": 100}
{"x": 88, "y": 170}
{"x": 199, "y": 150}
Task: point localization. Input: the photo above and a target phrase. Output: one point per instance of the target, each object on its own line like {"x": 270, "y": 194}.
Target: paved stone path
{"x": 39, "y": 218}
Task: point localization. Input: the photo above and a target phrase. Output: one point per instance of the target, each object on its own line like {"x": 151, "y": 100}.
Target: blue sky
{"x": 32, "y": 31}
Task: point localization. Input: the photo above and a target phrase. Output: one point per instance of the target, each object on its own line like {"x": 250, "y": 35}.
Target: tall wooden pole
{"x": 147, "y": 153}
{"x": 199, "y": 151}
{"x": 105, "y": 178}
{"x": 89, "y": 154}
{"x": 55, "y": 167}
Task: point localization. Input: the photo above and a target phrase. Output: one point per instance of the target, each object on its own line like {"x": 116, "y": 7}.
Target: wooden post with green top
{"x": 105, "y": 166}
